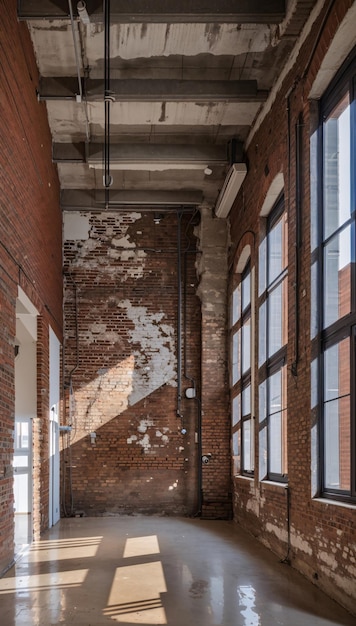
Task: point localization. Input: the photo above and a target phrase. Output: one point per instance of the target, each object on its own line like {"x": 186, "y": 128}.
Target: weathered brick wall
{"x": 30, "y": 233}
{"x": 121, "y": 347}
{"x": 212, "y": 271}
{"x": 318, "y": 537}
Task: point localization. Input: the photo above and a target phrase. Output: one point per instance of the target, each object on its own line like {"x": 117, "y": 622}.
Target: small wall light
{"x": 93, "y": 438}
{"x": 157, "y": 218}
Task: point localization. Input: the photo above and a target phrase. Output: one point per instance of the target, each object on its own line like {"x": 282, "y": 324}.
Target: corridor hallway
{"x": 158, "y": 570}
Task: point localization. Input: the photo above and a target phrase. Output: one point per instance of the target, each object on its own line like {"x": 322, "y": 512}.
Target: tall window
{"x": 242, "y": 421}
{"x": 334, "y": 255}
{"x": 273, "y": 347}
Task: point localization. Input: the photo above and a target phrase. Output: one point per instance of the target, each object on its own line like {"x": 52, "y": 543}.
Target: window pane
{"x": 262, "y": 401}
{"x": 277, "y": 423}
{"x": 337, "y": 370}
{"x": 236, "y": 443}
{"x": 314, "y": 309}
{"x": 337, "y": 277}
{"x": 246, "y": 346}
{"x": 337, "y": 437}
{"x": 246, "y": 401}
{"x": 236, "y": 413}
{"x": 248, "y": 447}
{"x": 277, "y": 318}
{"x": 337, "y": 424}
{"x": 275, "y": 252}
{"x": 236, "y": 366}
{"x": 262, "y": 267}
{"x": 314, "y": 225}
{"x": 246, "y": 291}
{"x": 277, "y": 249}
{"x": 262, "y": 453}
{"x": 235, "y": 305}
{"x": 275, "y": 443}
{"x": 236, "y": 451}
{"x": 336, "y": 190}
{"x": 275, "y": 393}
{"x": 262, "y": 349}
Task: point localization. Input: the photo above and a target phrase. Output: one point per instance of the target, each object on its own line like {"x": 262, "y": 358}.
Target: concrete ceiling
{"x": 179, "y": 89}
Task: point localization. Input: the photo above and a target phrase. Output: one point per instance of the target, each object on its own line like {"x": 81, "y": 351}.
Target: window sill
{"x": 329, "y": 502}
{"x": 243, "y": 477}
{"x": 273, "y": 485}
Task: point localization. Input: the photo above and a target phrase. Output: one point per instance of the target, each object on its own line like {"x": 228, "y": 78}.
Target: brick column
{"x": 212, "y": 271}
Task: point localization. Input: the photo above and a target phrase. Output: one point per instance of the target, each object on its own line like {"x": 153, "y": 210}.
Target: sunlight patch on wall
{"x": 153, "y": 348}
{"x": 103, "y": 398}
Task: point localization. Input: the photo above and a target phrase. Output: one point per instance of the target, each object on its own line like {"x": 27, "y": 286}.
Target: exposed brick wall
{"x": 212, "y": 270}
{"x": 30, "y": 237}
{"x": 121, "y": 342}
{"x": 318, "y": 537}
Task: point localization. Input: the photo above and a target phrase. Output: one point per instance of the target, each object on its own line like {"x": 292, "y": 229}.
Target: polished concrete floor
{"x": 158, "y": 570}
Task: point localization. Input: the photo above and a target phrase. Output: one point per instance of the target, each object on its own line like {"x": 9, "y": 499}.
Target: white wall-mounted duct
{"x": 232, "y": 184}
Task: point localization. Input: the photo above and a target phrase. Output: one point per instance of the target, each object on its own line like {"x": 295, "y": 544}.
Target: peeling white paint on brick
{"x": 144, "y": 442}
{"x": 124, "y": 242}
{"x": 143, "y": 425}
{"x": 252, "y": 506}
{"x": 343, "y": 582}
{"x": 329, "y": 559}
{"x": 131, "y": 439}
{"x": 153, "y": 349}
{"x": 75, "y": 226}
{"x": 113, "y": 244}
{"x": 276, "y": 530}
{"x": 299, "y": 543}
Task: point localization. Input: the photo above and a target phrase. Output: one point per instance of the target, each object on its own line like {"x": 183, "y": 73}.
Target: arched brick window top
{"x": 244, "y": 252}
{"x": 275, "y": 189}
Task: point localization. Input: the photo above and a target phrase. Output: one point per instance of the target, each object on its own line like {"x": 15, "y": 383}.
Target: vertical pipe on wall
{"x": 179, "y": 315}
{"x": 298, "y": 232}
{"x": 192, "y": 380}
{"x": 107, "y": 100}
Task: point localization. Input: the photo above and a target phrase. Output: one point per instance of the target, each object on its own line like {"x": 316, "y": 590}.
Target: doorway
{"x": 25, "y": 411}
{"x": 23, "y": 481}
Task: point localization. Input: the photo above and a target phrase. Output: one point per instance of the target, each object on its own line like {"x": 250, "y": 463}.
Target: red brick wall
{"x": 30, "y": 232}
{"x": 321, "y": 535}
{"x": 121, "y": 343}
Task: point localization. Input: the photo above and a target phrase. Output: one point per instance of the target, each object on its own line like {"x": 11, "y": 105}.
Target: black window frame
{"x": 244, "y": 380}
{"x": 344, "y": 83}
{"x": 278, "y": 360}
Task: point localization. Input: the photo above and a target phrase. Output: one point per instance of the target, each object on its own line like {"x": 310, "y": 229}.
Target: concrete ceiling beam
{"x": 136, "y": 153}
{"x": 161, "y": 11}
{"x": 141, "y": 90}
{"x": 94, "y": 200}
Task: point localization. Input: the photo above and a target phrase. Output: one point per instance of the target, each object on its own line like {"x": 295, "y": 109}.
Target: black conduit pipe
{"x": 107, "y": 101}
{"x": 193, "y": 383}
{"x": 179, "y": 315}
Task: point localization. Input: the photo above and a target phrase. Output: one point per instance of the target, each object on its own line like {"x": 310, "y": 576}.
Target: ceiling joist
{"x": 135, "y": 153}
{"x": 160, "y": 11}
{"x": 91, "y": 199}
{"x": 147, "y": 90}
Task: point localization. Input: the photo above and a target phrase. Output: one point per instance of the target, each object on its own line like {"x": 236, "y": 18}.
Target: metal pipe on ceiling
{"x": 81, "y": 97}
{"x": 108, "y": 98}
